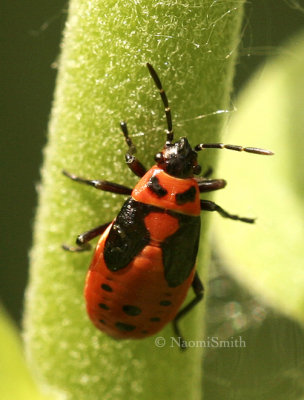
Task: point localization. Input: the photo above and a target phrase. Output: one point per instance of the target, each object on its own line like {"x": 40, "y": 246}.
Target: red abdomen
{"x": 136, "y": 301}
{"x": 138, "y": 298}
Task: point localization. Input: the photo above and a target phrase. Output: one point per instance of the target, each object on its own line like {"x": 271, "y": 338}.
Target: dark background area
{"x": 30, "y": 44}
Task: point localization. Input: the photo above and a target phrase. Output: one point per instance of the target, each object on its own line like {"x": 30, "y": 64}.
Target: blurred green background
{"x": 30, "y": 40}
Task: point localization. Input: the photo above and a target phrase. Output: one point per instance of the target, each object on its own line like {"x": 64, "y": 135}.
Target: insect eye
{"x": 158, "y": 157}
{"x": 197, "y": 169}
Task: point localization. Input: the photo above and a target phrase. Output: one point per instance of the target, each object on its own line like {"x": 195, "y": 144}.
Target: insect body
{"x": 144, "y": 262}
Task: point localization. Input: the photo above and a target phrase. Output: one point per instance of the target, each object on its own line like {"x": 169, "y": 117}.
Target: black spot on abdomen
{"x": 125, "y": 327}
{"x": 155, "y": 319}
{"x": 106, "y": 287}
{"x": 131, "y": 310}
{"x": 165, "y": 303}
{"x": 104, "y": 306}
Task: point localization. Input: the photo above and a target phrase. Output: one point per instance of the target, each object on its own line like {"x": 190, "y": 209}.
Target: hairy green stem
{"x": 102, "y": 80}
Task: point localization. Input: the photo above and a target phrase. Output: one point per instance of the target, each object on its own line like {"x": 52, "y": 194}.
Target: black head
{"x": 178, "y": 159}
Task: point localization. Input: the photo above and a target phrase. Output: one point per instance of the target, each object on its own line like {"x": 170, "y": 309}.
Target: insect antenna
{"x": 125, "y": 131}
{"x": 164, "y": 98}
{"x": 234, "y": 147}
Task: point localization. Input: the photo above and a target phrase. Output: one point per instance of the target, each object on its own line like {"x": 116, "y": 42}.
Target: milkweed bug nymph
{"x": 144, "y": 262}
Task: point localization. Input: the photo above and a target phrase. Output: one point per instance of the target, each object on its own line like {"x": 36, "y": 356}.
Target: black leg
{"x": 211, "y": 206}
{"x": 133, "y": 163}
{"x": 208, "y": 172}
{"x": 198, "y": 288}
{"x": 83, "y": 239}
{"x": 208, "y": 185}
{"x": 101, "y": 185}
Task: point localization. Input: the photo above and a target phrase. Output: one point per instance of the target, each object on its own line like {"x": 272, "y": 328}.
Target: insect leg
{"x": 133, "y": 163}
{"x": 198, "y": 288}
{"x": 83, "y": 239}
{"x": 208, "y": 172}
{"x": 101, "y": 185}
{"x": 208, "y": 185}
{"x": 208, "y": 205}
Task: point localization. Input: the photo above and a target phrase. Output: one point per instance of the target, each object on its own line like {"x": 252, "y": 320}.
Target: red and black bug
{"x": 144, "y": 262}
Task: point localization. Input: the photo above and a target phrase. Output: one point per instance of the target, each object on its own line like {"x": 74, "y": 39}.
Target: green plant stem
{"x": 103, "y": 79}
